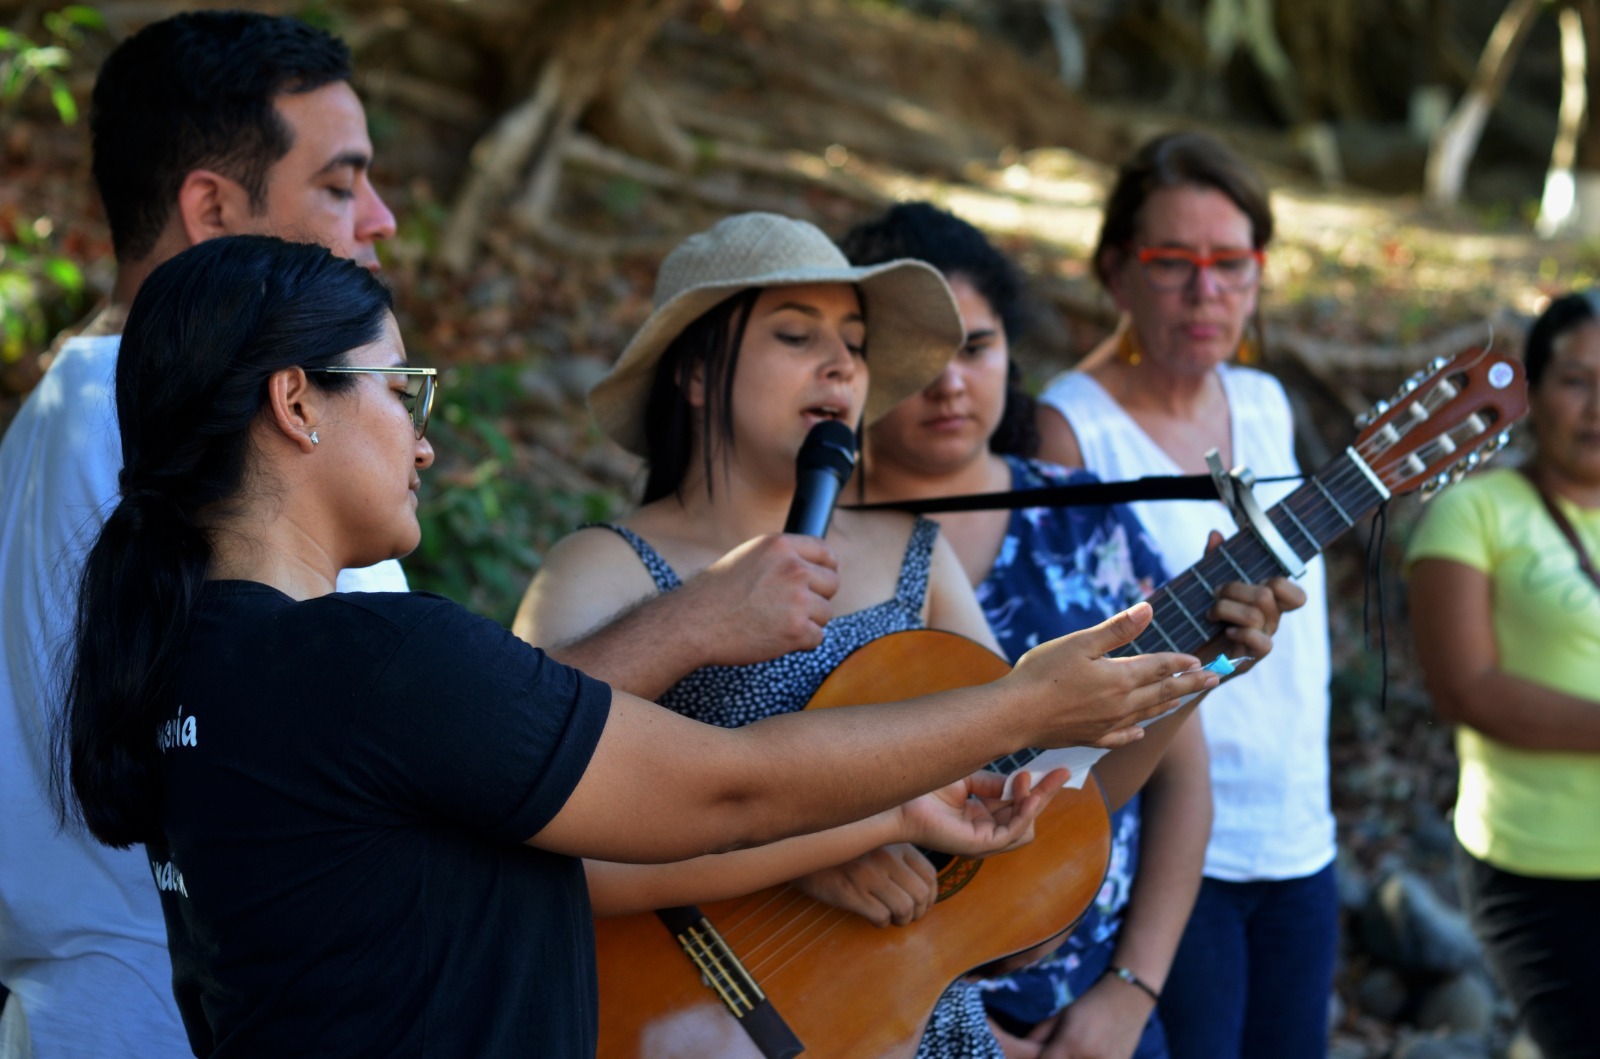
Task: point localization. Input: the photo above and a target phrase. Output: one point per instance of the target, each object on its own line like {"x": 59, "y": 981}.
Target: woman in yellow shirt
{"x": 1506, "y": 612}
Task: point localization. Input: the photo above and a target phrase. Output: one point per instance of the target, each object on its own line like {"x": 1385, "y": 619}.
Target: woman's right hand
{"x": 1077, "y": 696}
{"x": 972, "y": 818}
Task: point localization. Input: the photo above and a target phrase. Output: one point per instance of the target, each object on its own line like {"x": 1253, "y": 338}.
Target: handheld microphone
{"x": 826, "y": 459}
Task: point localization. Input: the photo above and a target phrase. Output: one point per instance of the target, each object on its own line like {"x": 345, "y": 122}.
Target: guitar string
{"x": 786, "y": 933}
{"x": 789, "y": 897}
{"x": 1322, "y": 524}
{"x": 1178, "y": 594}
{"x": 819, "y": 925}
{"x": 769, "y": 939}
{"x": 748, "y": 920}
{"x": 1370, "y": 450}
{"x": 1170, "y": 603}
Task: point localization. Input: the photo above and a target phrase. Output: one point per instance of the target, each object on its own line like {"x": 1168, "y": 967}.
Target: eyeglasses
{"x": 421, "y": 383}
{"x": 1170, "y": 268}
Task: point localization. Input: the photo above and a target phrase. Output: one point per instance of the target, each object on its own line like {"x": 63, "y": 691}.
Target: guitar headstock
{"x": 1444, "y": 422}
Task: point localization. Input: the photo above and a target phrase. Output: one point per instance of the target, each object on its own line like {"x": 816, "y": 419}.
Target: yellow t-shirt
{"x": 1531, "y": 812}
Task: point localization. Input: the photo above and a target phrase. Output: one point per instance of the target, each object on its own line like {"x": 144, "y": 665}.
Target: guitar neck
{"x": 1317, "y": 513}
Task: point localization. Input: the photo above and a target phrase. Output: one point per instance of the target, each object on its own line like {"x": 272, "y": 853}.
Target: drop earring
{"x": 1128, "y": 346}
{"x": 314, "y": 439}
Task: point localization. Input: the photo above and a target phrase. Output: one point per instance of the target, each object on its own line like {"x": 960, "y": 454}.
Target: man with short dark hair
{"x": 204, "y": 124}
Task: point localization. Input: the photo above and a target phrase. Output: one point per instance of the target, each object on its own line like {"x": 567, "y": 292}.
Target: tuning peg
{"x": 1371, "y": 415}
{"x": 1473, "y": 460}
{"x": 1496, "y": 443}
{"x": 1437, "y": 364}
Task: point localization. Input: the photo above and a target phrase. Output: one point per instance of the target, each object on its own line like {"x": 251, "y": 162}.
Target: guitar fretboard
{"x": 1318, "y": 512}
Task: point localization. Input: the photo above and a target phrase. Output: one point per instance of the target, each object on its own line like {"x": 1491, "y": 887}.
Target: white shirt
{"x": 1268, "y": 731}
{"x": 82, "y": 942}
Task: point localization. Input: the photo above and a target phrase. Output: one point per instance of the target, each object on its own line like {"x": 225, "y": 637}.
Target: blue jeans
{"x": 1254, "y": 971}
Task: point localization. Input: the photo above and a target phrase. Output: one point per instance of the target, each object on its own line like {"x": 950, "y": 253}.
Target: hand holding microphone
{"x": 773, "y": 595}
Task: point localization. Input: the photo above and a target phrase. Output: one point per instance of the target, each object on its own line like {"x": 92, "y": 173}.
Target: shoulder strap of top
{"x": 1095, "y": 418}
{"x": 912, "y": 587}
{"x": 663, "y": 575}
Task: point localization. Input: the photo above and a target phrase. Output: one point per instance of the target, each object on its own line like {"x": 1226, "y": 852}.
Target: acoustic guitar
{"x": 843, "y": 986}
{"x": 795, "y": 975}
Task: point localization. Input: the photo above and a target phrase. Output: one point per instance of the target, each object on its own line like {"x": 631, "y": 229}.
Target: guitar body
{"x": 845, "y": 987}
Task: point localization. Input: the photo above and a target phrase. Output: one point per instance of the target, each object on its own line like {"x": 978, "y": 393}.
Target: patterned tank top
{"x": 732, "y": 696}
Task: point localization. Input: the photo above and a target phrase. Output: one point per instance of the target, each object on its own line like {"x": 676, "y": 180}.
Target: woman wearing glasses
{"x": 364, "y": 812}
{"x": 1180, "y": 253}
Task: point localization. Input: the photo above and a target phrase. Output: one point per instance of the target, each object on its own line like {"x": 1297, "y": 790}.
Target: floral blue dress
{"x": 1060, "y": 570}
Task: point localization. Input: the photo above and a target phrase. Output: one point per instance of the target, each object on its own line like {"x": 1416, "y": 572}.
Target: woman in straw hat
{"x": 312, "y": 771}
{"x": 761, "y": 329}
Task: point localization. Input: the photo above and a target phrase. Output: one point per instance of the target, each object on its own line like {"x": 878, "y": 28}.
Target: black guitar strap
{"x": 1153, "y": 487}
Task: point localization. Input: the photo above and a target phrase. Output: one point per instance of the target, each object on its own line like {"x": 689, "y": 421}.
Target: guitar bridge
{"x": 726, "y": 975}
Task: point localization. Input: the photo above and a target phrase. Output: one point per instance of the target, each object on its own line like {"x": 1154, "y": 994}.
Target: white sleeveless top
{"x": 1268, "y": 731}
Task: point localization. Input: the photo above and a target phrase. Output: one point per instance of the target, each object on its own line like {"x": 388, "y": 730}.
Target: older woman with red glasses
{"x": 1181, "y": 252}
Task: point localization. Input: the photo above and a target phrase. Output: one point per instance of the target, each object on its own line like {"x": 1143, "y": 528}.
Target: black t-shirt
{"x": 349, "y": 781}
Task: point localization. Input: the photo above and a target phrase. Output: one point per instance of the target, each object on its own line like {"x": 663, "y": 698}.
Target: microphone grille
{"x": 830, "y": 446}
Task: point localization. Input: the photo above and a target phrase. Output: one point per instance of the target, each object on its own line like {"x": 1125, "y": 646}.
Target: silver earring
{"x": 314, "y": 439}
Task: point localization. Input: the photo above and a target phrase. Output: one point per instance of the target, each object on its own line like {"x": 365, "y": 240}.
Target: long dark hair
{"x": 711, "y": 344}
{"x": 205, "y": 333}
{"x": 923, "y": 231}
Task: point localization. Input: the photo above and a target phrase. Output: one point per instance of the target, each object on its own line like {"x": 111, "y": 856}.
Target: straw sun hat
{"x": 913, "y": 326}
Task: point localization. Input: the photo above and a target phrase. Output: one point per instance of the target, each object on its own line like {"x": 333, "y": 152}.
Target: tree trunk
{"x": 1231, "y": 23}
{"x": 582, "y": 53}
{"x": 1586, "y": 189}
{"x": 1457, "y": 140}
{"x": 1557, "y": 207}
{"x": 1068, "y": 39}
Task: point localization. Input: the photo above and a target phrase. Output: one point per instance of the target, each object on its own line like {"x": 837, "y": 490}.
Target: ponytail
{"x": 206, "y": 332}
{"x": 135, "y": 602}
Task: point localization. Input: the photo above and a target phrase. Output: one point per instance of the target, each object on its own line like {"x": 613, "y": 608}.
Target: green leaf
{"x": 66, "y": 106}
{"x": 52, "y": 57}
{"x": 64, "y": 274}
{"x": 84, "y": 15}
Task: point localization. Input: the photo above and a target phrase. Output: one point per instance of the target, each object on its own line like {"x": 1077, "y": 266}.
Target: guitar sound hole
{"x": 939, "y": 860}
